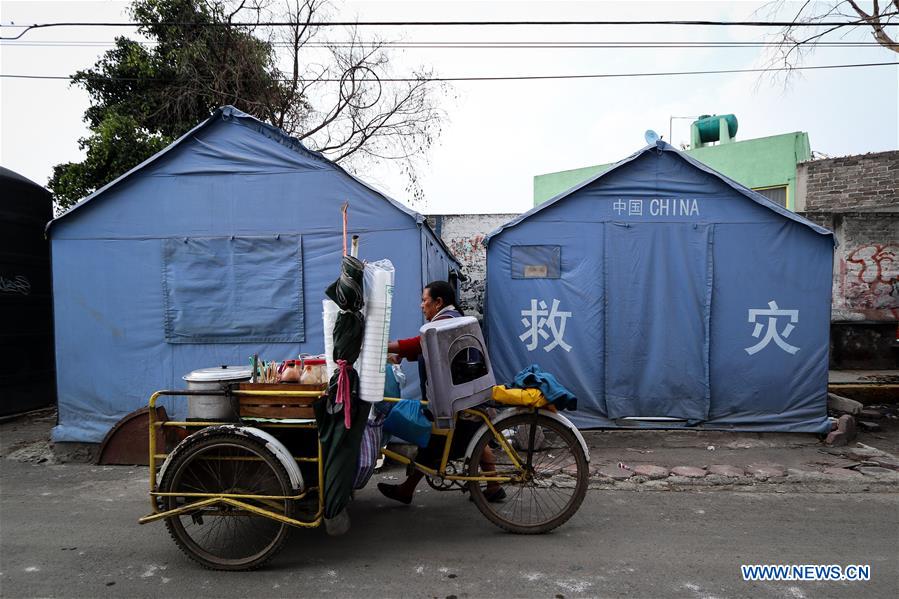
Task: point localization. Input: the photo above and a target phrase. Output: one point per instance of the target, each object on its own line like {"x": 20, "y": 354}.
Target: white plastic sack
{"x": 329, "y": 318}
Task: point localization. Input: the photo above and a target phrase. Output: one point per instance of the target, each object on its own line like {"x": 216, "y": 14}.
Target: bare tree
{"x": 336, "y": 94}
{"x": 795, "y": 41}
{"x": 339, "y": 96}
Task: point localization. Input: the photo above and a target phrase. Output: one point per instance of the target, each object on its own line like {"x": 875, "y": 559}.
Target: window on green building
{"x": 778, "y": 195}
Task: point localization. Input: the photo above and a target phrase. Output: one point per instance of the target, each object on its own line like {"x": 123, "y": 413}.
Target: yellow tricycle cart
{"x": 229, "y": 492}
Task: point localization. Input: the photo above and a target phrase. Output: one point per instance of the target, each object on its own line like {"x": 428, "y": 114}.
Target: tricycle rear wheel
{"x": 221, "y": 536}
{"x": 542, "y": 495}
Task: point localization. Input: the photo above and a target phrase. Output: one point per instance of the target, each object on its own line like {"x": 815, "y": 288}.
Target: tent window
{"x": 536, "y": 261}
{"x": 233, "y": 289}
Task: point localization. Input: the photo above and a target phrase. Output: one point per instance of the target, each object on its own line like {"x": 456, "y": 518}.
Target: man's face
{"x": 430, "y": 307}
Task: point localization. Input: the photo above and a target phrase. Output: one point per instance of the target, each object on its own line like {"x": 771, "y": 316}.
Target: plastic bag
{"x": 369, "y": 450}
{"x": 372, "y": 363}
{"x": 408, "y": 422}
{"x": 392, "y": 386}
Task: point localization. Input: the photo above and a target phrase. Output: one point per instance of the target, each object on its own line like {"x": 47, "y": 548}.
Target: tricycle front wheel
{"x": 221, "y": 536}
{"x": 547, "y": 486}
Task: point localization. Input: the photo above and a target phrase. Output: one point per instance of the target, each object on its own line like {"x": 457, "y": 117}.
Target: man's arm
{"x": 406, "y": 348}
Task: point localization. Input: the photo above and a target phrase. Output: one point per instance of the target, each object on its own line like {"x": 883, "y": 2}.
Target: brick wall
{"x": 858, "y": 198}
{"x": 464, "y": 235}
{"x": 850, "y": 183}
{"x": 866, "y": 264}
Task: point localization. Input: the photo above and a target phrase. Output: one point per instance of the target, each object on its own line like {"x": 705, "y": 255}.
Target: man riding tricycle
{"x": 229, "y": 493}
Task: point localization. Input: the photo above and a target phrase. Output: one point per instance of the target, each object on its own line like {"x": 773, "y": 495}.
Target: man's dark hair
{"x": 443, "y": 290}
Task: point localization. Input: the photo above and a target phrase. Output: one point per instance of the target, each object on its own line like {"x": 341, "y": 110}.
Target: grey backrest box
{"x": 459, "y": 372}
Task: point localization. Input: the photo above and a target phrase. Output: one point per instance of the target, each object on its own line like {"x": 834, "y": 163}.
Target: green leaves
{"x": 117, "y": 144}
{"x": 145, "y": 95}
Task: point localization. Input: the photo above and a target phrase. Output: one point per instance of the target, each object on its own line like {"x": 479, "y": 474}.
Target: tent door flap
{"x": 658, "y": 285}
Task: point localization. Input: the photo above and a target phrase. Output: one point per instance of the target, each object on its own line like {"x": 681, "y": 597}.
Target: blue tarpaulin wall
{"x": 218, "y": 247}
{"x": 663, "y": 290}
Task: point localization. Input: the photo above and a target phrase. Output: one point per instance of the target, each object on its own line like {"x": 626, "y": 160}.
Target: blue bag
{"x": 408, "y": 422}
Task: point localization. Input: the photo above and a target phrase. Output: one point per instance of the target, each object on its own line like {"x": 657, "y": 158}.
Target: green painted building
{"x": 765, "y": 164}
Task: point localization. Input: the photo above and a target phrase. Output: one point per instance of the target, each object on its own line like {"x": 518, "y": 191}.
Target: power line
{"x": 508, "y": 45}
{"x": 320, "y": 24}
{"x": 507, "y": 77}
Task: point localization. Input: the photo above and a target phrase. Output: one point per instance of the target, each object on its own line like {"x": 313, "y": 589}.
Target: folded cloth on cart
{"x": 534, "y": 377}
{"x": 508, "y": 396}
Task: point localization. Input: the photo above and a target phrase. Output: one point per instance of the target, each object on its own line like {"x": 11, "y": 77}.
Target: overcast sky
{"x": 500, "y": 134}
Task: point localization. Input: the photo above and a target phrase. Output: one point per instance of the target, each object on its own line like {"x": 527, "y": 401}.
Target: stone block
{"x": 886, "y": 461}
{"x": 879, "y": 473}
{"x": 615, "y": 473}
{"x": 726, "y": 470}
{"x": 846, "y": 424}
{"x": 842, "y": 473}
{"x": 836, "y": 439}
{"x": 650, "y": 471}
{"x": 838, "y": 403}
{"x": 766, "y": 471}
{"x": 806, "y": 476}
{"x": 864, "y": 452}
{"x": 689, "y": 471}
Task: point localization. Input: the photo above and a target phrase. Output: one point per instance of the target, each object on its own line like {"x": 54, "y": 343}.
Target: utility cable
{"x": 503, "y": 78}
{"x": 510, "y": 45}
{"x": 319, "y": 24}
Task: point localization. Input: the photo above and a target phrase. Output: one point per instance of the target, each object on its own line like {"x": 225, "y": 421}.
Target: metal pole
{"x": 670, "y": 119}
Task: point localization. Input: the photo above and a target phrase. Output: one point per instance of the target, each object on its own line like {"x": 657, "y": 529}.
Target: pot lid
{"x": 219, "y": 373}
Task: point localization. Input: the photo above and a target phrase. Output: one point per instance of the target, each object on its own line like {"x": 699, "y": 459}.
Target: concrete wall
{"x": 464, "y": 235}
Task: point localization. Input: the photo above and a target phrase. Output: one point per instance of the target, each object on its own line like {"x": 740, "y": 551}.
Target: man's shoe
{"x": 495, "y": 496}
{"x": 393, "y": 492}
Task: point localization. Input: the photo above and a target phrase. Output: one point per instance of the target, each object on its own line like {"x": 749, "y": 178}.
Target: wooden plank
{"x": 278, "y": 406}
{"x": 280, "y": 387}
{"x": 866, "y": 393}
{"x": 277, "y": 399}
{"x": 277, "y": 411}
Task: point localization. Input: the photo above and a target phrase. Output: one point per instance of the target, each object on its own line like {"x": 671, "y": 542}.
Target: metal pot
{"x": 213, "y": 407}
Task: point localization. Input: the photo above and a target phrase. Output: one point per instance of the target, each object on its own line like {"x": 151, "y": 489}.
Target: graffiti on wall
{"x": 470, "y": 251}
{"x": 870, "y": 281}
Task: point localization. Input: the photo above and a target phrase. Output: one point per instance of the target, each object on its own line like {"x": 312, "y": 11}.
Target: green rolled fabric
{"x": 346, "y": 291}
{"x": 340, "y": 446}
{"x": 348, "y": 332}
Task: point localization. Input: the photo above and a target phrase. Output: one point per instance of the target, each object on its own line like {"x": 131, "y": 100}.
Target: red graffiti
{"x": 467, "y": 245}
{"x": 871, "y": 279}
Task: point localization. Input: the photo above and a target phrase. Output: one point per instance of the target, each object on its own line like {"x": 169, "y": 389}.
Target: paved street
{"x": 71, "y": 531}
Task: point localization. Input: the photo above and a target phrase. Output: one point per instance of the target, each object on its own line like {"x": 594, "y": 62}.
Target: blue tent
{"x": 664, "y": 294}
{"x": 217, "y": 247}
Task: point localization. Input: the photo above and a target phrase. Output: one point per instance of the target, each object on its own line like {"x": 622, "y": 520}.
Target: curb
{"x": 793, "y": 482}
